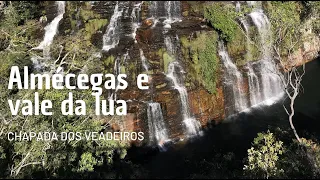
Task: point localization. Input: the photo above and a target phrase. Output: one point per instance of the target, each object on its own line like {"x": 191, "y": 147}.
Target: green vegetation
{"x": 27, "y": 10}
{"x": 312, "y": 10}
{"x": 93, "y": 25}
{"x": 204, "y": 60}
{"x": 271, "y": 158}
{"x": 22, "y": 159}
{"x": 74, "y": 47}
{"x": 222, "y": 17}
{"x": 263, "y": 156}
{"x": 237, "y": 47}
{"x": 166, "y": 61}
{"x": 285, "y": 21}
{"x": 196, "y": 7}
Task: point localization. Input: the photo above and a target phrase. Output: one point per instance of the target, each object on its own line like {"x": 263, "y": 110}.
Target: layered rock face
{"x": 157, "y": 27}
{"x": 159, "y": 39}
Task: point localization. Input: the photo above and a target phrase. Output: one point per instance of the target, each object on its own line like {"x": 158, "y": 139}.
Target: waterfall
{"x": 125, "y": 57}
{"x": 52, "y": 28}
{"x": 156, "y": 124}
{"x": 116, "y": 72}
{"x": 254, "y": 86}
{"x": 144, "y": 61}
{"x": 255, "y": 4}
{"x": 245, "y": 25}
{"x": 253, "y": 79}
{"x": 238, "y": 6}
{"x": 170, "y": 11}
{"x": 135, "y": 17}
{"x": 157, "y": 128}
{"x": 173, "y": 10}
{"x": 233, "y": 79}
{"x": 36, "y": 64}
{"x": 112, "y": 36}
{"x": 262, "y": 23}
{"x": 191, "y": 124}
{"x": 271, "y": 82}
{"x": 169, "y": 45}
{"x": 263, "y": 76}
{"x": 153, "y": 8}
{"x": 251, "y": 3}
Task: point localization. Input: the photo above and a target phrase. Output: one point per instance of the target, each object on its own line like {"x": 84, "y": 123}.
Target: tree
{"x": 263, "y": 156}
{"x": 24, "y": 159}
{"x": 285, "y": 18}
{"x": 285, "y": 21}
{"x": 292, "y": 82}
{"x": 297, "y": 163}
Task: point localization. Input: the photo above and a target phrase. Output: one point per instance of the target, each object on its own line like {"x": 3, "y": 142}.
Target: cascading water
{"x": 52, "y": 28}
{"x": 154, "y": 9}
{"x": 192, "y": 126}
{"x": 144, "y": 61}
{"x": 50, "y": 31}
{"x": 251, "y": 3}
{"x": 270, "y": 80}
{"x": 173, "y": 12}
{"x": 262, "y": 23}
{"x": 233, "y": 79}
{"x": 112, "y": 36}
{"x": 157, "y": 128}
{"x": 245, "y": 25}
{"x": 135, "y": 17}
{"x": 238, "y": 6}
{"x": 116, "y": 72}
{"x": 169, "y": 10}
{"x": 254, "y": 86}
{"x": 169, "y": 45}
{"x": 253, "y": 79}
{"x": 263, "y": 76}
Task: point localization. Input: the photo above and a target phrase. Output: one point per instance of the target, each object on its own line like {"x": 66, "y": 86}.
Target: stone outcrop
{"x": 309, "y": 48}
{"x": 150, "y": 37}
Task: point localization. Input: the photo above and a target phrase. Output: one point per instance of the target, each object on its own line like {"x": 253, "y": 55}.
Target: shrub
{"x": 263, "y": 156}
{"x": 205, "y": 62}
{"x": 222, "y": 18}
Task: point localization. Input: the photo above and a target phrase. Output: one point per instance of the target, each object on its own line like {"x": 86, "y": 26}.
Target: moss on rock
{"x": 204, "y": 61}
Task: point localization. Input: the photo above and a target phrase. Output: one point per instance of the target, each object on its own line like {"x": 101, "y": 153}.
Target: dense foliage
{"x": 263, "y": 156}
{"x": 286, "y": 23}
{"x": 203, "y": 51}
{"x": 19, "y": 33}
{"x": 76, "y": 50}
{"x": 222, "y": 17}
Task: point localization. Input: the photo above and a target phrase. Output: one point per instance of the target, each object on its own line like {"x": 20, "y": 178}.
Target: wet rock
{"x": 96, "y": 39}
{"x": 1, "y": 4}
{"x": 147, "y": 23}
{"x": 207, "y": 107}
{"x": 308, "y": 51}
